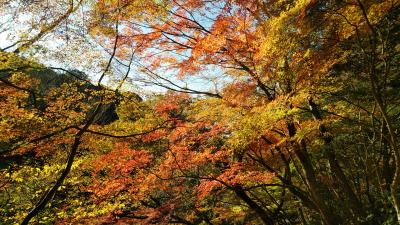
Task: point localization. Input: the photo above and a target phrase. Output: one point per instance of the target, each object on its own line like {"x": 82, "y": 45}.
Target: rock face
{"x": 51, "y": 78}
{"x": 107, "y": 114}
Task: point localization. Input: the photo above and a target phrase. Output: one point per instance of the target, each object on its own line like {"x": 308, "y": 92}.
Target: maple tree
{"x": 301, "y": 126}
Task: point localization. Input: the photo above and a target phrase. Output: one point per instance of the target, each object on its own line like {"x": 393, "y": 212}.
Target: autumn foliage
{"x": 295, "y": 121}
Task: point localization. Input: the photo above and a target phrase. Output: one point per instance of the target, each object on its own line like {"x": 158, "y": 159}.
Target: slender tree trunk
{"x": 253, "y": 205}
{"x": 316, "y": 188}
{"x": 355, "y": 204}
{"x": 372, "y": 57}
{"x": 51, "y": 192}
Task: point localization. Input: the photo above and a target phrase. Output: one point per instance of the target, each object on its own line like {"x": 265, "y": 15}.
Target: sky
{"x": 70, "y": 48}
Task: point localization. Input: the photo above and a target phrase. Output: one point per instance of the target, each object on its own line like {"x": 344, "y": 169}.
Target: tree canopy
{"x": 200, "y": 112}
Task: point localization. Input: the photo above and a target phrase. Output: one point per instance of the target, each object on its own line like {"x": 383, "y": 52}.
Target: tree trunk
{"x": 253, "y": 205}
{"x": 316, "y": 188}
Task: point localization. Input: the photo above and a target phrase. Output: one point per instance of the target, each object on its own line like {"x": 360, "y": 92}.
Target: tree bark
{"x": 316, "y": 188}
{"x": 355, "y": 204}
{"x": 372, "y": 74}
{"x": 50, "y": 193}
{"x": 253, "y": 205}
